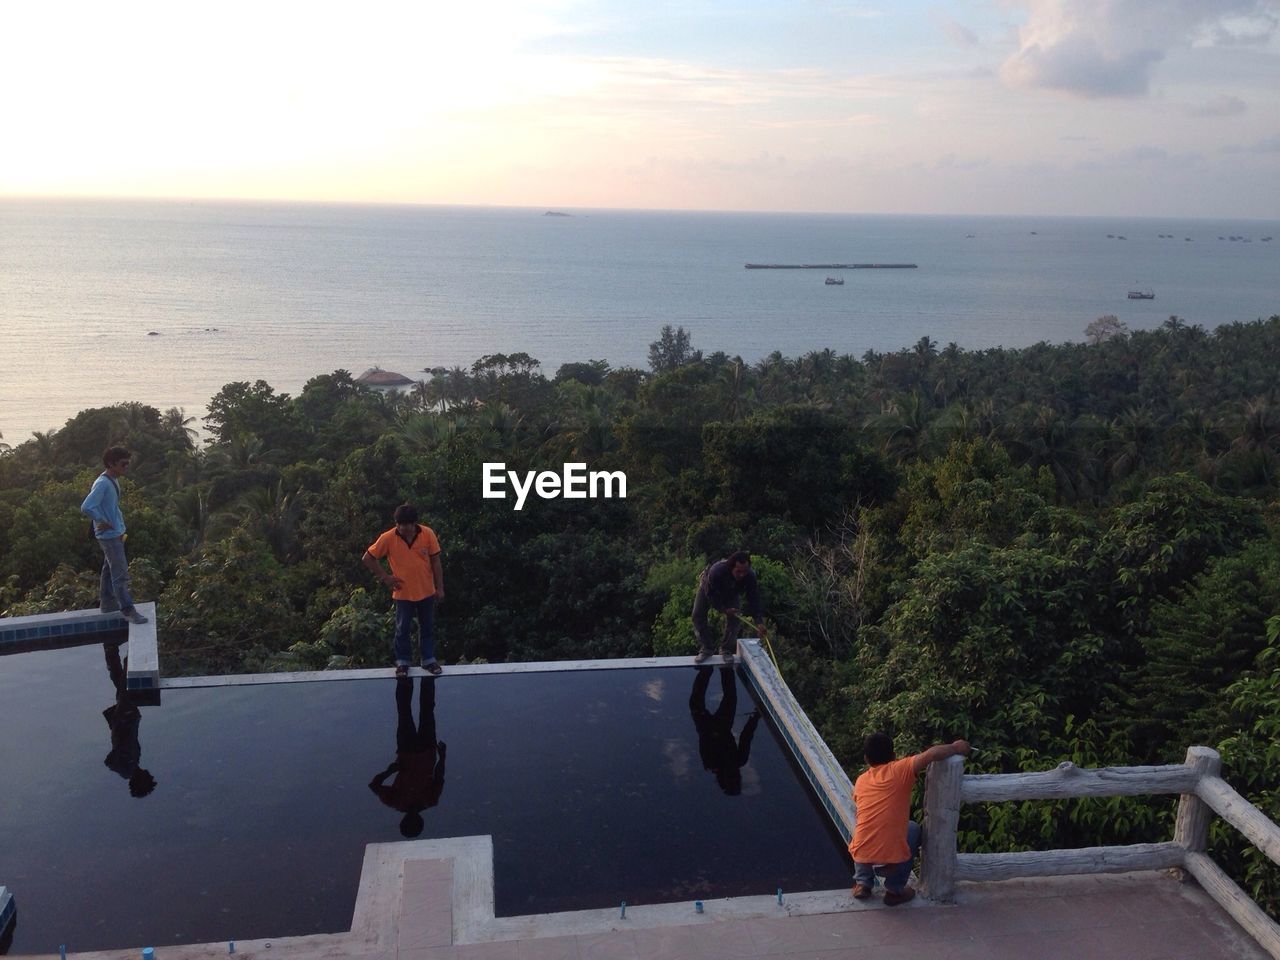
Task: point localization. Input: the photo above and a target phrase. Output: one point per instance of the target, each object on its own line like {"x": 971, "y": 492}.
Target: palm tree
{"x": 423, "y": 432}
{"x": 924, "y": 350}
{"x": 177, "y": 426}
{"x": 593, "y": 437}
{"x": 1259, "y": 437}
{"x": 1134, "y": 441}
{"x": 499, "y": 425}
{"x": 245, "y": 450}
{"x": 734, "y": 382}
{"x": 272, "y": 513}
{"x": 902, "y": 425}
{"x": 191, "y": 507}
{"x": 42, "y": 449}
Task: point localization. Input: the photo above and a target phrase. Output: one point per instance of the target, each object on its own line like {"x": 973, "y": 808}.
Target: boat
{"x": 1141, "y": 295}
{"x": 834, "y": 281}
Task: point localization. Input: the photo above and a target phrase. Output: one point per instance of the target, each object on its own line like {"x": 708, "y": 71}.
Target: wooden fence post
{"x": 941, "y": 819}
{"x": 1191, "y": 829}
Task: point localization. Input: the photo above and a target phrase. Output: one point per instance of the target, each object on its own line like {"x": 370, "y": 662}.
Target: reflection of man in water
{"x": 720, "y": 753}
{"x": 419, "y": 762}
{"x": 124, "y": 717}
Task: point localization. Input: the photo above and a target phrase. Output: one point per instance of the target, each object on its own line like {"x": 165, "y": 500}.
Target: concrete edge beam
{"x": 458, "y": 670}
{"x": 144, "y": 652}
{"x": 811, "y": 752}
{"x": 8, "y": 909}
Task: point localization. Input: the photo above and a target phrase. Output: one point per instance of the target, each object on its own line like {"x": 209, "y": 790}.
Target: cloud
{"x": 1244, "y": 31}
{"x": 1266, "y": 145}
{"x": 1148, "y": 154}
{"x": 949, "y": 161}
{"x": 1109, "y": 48}
{"x": 956, "y": 32}
{"x": 1222, "y": 105}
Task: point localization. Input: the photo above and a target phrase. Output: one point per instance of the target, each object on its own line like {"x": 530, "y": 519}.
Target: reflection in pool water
{"x": 124, "y": 719}
{"x": 592, "y": 785}
{"x": 418, "y": 768}
{"x": 721, "y": 753}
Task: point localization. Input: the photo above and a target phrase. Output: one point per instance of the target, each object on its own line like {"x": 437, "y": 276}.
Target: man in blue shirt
{"x": 102, "y": 506}
{"x": 721, "y": 585}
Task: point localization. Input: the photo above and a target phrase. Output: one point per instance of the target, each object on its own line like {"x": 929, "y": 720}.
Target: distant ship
{"x": 834, "y": 281}
{"x": 1141, "y": 295}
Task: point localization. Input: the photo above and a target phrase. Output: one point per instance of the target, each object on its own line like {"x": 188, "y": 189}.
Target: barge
{"x": 831, "y": 266}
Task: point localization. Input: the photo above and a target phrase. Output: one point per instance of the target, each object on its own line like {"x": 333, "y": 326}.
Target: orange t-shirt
{"x": 882, "y": 796}
{"x": 412, "y": 564}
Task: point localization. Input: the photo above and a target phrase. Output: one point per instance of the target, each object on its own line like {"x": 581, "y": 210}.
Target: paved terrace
{"x": 422, "y": 915}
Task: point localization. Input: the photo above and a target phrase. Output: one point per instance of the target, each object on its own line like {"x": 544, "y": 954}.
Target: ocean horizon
{"x": 164, "y": 302}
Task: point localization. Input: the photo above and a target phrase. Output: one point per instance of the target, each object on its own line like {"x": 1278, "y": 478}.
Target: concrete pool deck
{"x": 415, "y": 904}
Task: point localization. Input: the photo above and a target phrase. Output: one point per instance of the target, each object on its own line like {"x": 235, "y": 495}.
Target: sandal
{"x": 433, "y": 668}
{"x": 402, "y": 670}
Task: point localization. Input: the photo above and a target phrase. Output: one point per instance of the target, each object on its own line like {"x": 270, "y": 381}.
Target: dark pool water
{"x": 592, "y": 784}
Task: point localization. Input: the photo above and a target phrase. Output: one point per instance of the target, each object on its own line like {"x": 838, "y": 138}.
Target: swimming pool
{"x": 593, "y": 784}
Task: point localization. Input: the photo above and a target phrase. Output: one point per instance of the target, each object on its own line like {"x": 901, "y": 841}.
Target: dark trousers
{"x": 702, "y": 629}
{"x": 425, "y": 612}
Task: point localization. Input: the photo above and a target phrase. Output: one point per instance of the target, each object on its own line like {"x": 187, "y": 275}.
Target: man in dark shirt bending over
{"x": 721, "y": 586}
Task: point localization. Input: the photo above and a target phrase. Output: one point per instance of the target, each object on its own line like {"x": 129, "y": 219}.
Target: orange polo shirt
{"x": 412, "y": 564}
{"x": 883, "y": 797}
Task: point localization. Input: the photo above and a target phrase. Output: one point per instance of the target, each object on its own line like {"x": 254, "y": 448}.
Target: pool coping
{"x": 473, "y": 920}
{"x": 456, "y": 670}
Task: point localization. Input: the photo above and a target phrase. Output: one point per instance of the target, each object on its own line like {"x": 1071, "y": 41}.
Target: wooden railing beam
{"x": 1242, "y": 815}
{"x": 1068, "y": 780}
{"x": 1064, "y": 863}
{"x": 1235, "y": 901}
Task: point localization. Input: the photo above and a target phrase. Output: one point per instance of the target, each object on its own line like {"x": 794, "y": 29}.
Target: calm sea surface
{"x": 286, "y": 292}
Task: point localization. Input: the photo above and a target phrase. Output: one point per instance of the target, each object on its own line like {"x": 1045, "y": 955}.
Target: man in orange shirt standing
{"x": 884, "y": 834}
{"x": 416, "y": 581}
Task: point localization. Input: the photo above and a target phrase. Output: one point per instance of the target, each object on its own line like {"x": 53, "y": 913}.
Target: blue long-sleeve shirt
{"x": 103, "y": 505}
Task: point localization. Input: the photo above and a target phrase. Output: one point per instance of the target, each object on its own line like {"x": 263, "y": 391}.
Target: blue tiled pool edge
{"x": 56, "y": 629}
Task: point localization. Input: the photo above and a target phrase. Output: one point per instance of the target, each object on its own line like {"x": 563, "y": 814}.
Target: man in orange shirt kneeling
{"x": 884, "y": 834}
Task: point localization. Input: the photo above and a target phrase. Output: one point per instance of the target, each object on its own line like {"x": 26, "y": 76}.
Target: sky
{"x": 1090, "y": 107}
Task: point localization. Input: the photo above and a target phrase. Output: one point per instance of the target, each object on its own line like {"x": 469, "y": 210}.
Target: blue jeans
{"x": 113, "y": 586}
{"x": 425, "y": 611}
{"x": 895, "y": 875}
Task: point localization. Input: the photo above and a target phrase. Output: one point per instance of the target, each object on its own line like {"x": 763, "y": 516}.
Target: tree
{"x": 241, "y": 408}
{"x": 1107, "y": 327}
{"x": 798, "y": 463}
{"x": 592, "y": 373}
{"x": 671, "y": 350}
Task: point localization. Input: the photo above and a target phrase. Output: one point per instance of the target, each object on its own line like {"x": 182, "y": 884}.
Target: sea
{"x": 164, "y": 302}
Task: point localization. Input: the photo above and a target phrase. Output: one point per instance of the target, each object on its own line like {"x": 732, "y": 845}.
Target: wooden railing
{"x": 1203, "y": 793}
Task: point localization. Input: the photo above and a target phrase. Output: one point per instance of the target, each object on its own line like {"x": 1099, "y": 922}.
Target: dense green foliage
{"x": 1061, "y": 553}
